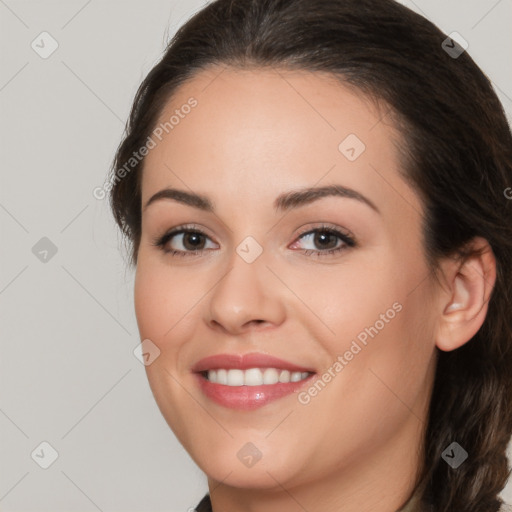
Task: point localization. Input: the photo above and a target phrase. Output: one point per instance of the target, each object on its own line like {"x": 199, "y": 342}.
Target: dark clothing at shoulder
{"x": 205, "y": 505}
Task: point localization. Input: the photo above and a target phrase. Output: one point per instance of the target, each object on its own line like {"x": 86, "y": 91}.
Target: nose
{"x": 247, "y": 296}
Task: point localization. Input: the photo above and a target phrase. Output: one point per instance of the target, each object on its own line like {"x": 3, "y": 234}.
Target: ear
{"x": 463, "y": 307}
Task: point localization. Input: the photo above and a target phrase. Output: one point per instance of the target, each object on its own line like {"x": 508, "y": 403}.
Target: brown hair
{"x": 458, "y": 157}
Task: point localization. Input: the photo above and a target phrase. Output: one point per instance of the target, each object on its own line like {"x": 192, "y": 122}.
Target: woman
{"x": 315, "y": 196}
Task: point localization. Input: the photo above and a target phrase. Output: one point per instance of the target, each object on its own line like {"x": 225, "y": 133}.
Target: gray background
{"x": 68, "y": 373}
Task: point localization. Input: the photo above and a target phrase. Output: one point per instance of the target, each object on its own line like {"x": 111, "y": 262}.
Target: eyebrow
{"x": 284, "y": 202}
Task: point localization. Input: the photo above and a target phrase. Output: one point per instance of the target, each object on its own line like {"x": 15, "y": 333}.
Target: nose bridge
{"x": 247, "y": 292}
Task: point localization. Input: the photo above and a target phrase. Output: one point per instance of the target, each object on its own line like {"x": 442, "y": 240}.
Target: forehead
{"x": 270, "y": 129}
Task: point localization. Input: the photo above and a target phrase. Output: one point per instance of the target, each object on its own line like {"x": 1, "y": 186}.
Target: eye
{"x": 329, "y": 241}
{"x": 182, "y": 241}
{"x": 191, "y": 241}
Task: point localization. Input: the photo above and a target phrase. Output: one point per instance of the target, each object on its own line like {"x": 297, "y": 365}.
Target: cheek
{"x": 147, "y": 300}
{"x": 353, "y": 296}
{"x": 164, "y": 300}
{"x": 164, "y": 306}
{"x": 383, "y": 384}
{"x": 382, "y": 320}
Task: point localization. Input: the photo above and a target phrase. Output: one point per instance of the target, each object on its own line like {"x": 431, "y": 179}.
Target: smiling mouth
{"x": 253, "y": 376}
{"x": 249, "y": 381}
{"x": 252, "y": 388}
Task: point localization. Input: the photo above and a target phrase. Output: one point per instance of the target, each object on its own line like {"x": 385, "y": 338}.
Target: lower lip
{"x": 248, "y": 397}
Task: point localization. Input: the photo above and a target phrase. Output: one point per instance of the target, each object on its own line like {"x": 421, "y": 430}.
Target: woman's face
{"x": 331, "y": 284}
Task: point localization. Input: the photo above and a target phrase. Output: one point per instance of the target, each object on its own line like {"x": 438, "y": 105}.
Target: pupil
{"x": 322, "y": 236}
{"x": 192, "y": 236}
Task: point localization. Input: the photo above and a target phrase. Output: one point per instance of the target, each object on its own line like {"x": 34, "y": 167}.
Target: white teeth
{"x": 254, "y": 376}
{"x": 270, "y": 376}
{"x": 235, "y": 378}
{"x": 222, "y": 377}
{"x": 295, "y": 376}
{"x": 284, "y": 376}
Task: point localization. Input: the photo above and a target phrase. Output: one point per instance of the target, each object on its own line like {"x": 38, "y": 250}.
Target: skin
{"x": 255, "y": 134}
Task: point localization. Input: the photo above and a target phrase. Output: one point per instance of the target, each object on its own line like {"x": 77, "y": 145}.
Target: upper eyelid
{"x": 181, "y": 230}
{"x": 322, "y": 226}
{"x": 326, "y": 227}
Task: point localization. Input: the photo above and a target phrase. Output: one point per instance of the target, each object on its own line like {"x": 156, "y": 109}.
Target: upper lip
{"x": 245, "y": 361}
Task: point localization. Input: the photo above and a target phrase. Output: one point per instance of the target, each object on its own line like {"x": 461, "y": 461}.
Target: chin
{"x": 226, "y": 464}
{"x": 246, "y": 478}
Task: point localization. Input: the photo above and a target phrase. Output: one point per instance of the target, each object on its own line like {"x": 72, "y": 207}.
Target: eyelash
{"x": 348, "y": 241}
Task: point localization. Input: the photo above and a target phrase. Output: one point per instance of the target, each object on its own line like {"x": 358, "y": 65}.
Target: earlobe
{"x": 470, "y": 288}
